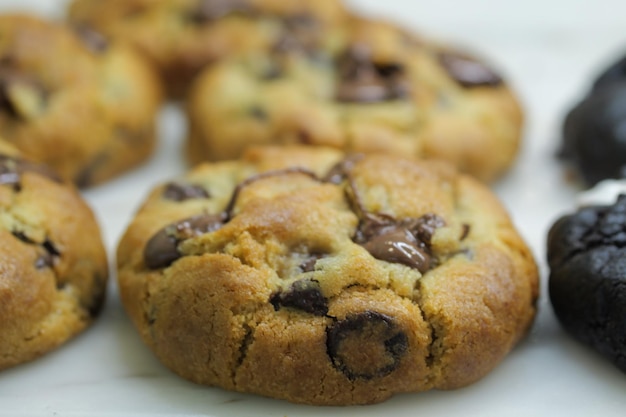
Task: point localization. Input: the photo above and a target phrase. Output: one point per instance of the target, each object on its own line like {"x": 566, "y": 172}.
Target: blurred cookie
{"x": 384, "y": 90}
{"x": 317, "y": 277}
{"x": 183, "y": 36}
{"x": 594, "y": 137}
{"x": 74, "y": 101}
{"x": 53, "y": 266}
{"x": 587, "y": 259}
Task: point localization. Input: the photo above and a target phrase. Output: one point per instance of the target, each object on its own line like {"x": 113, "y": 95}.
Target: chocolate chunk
{"x": 258, "y": 113}
{"x": 465, "y": 231}
{"x": 180, "y": 192}
{"x": 304, "y": 295}
{"x": 405, "y": 241}
{"x": 397, "y": 244}
{"x": 211, "y": 10}
{"x": 467, "y": 71}
{"x": 301, "y": 34}
{"x": 340, "y": 170}
{"x": 587, "y": 282}
{"x": 366, "y": 346}
{"x": 44, "y": 261}
{"x": 50, "y": 252}
{"x": 364, "y": 81}
{"x": 12, "y": 169}
{"x": 87, "y": 175}
{"x": 309, "y": 264}
{"x": 162, "y": 249}
{"x": 93, "y": 40}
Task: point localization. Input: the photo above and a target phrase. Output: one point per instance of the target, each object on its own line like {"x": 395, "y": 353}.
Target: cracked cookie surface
{"x": 381, "y": 89}
{"x": 68, "y": 98}
{"x": 53, "y": 267}
{"x": 324, "y": 278}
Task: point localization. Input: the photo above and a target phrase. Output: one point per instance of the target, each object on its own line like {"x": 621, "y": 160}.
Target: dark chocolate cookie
{"x": 594, "y": 131}
{"x": 321, "y": 278}
{"x": 587, "y": 259}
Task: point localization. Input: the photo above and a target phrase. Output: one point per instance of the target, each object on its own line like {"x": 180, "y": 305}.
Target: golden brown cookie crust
{"x": 83, "y": 106}
{"x": 53, "y": 266}
{"x": 281, "y": 298}
{"x": 384, "y": 90}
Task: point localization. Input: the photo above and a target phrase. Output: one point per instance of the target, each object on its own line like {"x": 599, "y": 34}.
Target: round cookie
{"x": 317, "y": 277}
{"x": 587, "y": 283}
{"x": 53, "y": 267}
{"x": 71, "y": 100}
{"x": 183, "y": 36}
{"x": 384, "y": 90}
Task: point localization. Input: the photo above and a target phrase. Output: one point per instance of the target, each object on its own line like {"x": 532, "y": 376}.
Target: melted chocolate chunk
{"x": 180, "y": 192}
{"x": 93, "y": 40}
{"x": 468, "y": 72}
{"x": 211, "y": 10}
{"x": 405, "y": 241}
{"x": 162, "y": 249}
{"x": 366, "y": 346}
{"x": 363, "y": 81}
{"x": 304, "y": 295}
{"x": 12, "y": 169}
{"x": 340, "y": 170}
{"x": 309, "y": 264}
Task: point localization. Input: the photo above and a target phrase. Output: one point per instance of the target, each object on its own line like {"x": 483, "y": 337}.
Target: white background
{"x": 549, "y": 51}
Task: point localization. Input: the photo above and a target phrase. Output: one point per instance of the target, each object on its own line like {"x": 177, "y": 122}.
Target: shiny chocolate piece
{"x": 12, "y": 169}
{"x": 367, "y": 345}
{"x": 211, "y": 10}
{"x": 467, "y": 71}
{"x": 405, "y": 241}
{"x": 363, "y": 81}
{"x": 304, "y": 295}
{"x": 177, "y": 191}
{"x": 162, "y": 249}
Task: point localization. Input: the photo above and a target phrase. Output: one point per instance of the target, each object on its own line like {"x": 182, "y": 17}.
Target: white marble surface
{"x": 548, "y": 50}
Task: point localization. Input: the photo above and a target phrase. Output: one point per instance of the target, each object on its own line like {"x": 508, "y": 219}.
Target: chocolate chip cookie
{"x": 383, "y": 90}
{"x": 53, "y": 267}
{"x": 586, "y": 254}
{"x": 183, "y": 36}
{"x": 318, "y": 277}
{"x": 68, "y": 98}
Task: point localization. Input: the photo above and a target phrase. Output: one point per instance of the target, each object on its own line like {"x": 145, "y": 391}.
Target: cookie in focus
{"x": 324, "y": 278}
